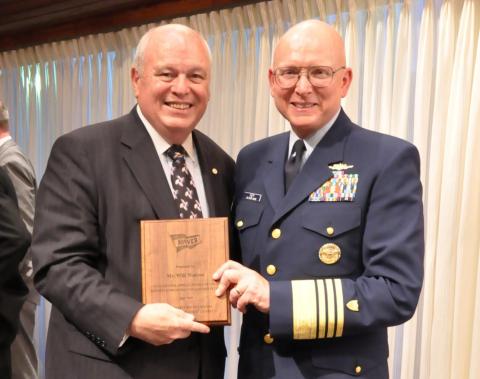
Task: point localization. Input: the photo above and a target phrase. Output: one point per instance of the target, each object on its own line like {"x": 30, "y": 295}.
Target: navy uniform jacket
{"x": 343, "y": 251}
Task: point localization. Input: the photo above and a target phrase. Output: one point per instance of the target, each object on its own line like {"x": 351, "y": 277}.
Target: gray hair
{"x": 3, "y": 112}
{"x": 140, "y": 51}
{"x": 143, "y": 43}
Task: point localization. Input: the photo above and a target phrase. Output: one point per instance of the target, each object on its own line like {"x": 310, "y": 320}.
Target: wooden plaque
{"x": 179, "y": 258}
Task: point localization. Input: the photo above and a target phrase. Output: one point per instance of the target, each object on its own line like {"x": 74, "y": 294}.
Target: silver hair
{"x": 143, "y": 43}
{"x": 3, "y": 112}
{"x": 140, "y": 51}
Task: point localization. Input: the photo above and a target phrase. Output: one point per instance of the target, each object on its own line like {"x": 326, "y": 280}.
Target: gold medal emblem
{"x": 329, "y": 253}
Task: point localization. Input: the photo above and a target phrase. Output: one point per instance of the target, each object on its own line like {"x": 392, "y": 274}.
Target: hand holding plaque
{"x": 178, "y": 260}
{"x": 246, "y": 286}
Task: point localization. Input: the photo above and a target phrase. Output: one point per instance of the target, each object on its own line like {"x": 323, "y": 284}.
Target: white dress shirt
{"x": 161, "y": 146}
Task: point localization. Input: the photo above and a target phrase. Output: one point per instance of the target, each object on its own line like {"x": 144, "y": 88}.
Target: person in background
{"x": 14, "y": 242}
{"x": 330, "y": 222}
{"x": 99, "y": 183}
{"x": 20, "y": 170}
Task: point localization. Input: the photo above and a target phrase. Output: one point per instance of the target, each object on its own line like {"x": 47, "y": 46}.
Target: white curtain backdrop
{"x": 416, "y": 67}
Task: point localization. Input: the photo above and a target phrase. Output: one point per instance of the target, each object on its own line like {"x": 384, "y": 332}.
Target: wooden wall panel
{"x": 33, "y": 22}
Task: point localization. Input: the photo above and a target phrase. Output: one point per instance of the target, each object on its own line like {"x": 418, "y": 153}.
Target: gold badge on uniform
{"x": 353, "y": 305}
{"x": 329, "y": 253}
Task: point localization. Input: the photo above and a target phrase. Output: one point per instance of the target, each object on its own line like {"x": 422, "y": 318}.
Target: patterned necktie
{"x": 294, "y": 163}
{"x": 184, "y": 191}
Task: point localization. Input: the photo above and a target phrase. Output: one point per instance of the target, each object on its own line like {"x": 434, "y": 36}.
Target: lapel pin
{"x": 214, "y": 171}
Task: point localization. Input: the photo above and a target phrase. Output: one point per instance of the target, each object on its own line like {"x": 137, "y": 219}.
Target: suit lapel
{"x": 274, "y": 180}
{"x": 315, "y": 172}
{"x": 210, "y": 180}
{"x": 140, "y": 156}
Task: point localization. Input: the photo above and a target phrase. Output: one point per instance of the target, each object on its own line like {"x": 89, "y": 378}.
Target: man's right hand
{"x": 160, "y": 324}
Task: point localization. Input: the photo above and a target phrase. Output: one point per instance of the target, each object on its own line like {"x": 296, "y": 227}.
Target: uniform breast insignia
{"x": 329, "y": 253}
{"x": 257, "y": 197}
{"x": 340, "y": 166}
{"x": 341, "y": 187}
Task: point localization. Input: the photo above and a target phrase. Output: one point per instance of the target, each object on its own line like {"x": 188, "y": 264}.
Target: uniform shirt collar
{"x": 312, "y": 141}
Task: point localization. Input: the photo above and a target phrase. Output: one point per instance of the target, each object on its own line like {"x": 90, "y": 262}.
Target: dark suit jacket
{"x": 340, "y": 271}
{"x": 22, "y": 175}
{"x": 14, "y": 242}
{"x": 99, "y": 183}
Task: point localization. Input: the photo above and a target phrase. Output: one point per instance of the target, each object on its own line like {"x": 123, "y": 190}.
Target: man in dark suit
{"x": 14, "y": 242}
{"x": 20, "y": 171}
{"x": 99, "y": 183}
{"x": 330, "y": 224}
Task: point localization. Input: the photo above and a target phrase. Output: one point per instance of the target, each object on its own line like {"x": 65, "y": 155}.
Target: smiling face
{"x": 171, "y": 83}
{"x": 308, "y": 108}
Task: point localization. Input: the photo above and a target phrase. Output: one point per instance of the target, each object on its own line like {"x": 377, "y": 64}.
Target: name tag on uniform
{"x": 341, "y": 187}
{"x": 257, "y": 197}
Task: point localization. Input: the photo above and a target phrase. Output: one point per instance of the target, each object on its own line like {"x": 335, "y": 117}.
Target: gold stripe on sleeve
{"x": 322, "y": 309}
{"x": 339, "y": 301}
{"x": 304, "y": 309}
{"x": 330, "y": 308}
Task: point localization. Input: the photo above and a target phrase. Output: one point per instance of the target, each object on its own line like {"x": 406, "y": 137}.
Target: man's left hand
{"x": 246, "y": 286}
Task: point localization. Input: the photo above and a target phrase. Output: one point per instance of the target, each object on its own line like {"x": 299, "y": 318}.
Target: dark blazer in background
{"x": 373, "y": 284}
{"x": 22, "y": 174}
{"x": 99, "y": 183}
{"x": 14, "y": 242}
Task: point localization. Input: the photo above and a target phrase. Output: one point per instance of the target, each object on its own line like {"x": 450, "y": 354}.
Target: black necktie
{"x": 184, "y": 191}
{"x": 294, "y": 163}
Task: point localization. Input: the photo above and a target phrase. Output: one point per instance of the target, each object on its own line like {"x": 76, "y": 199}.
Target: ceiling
{"x": 31, "y": 22}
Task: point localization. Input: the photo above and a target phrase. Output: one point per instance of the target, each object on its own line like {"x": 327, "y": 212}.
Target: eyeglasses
{"x": 318, "y": 76}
